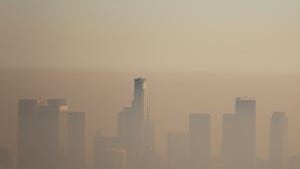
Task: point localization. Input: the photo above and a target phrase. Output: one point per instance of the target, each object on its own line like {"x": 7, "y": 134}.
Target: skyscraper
{"x": 245, "y": 105}
{"x": 148, "y": 135}
{"x": 200, "y": 137}
{"x": 139, "y": 103}
{"x": 239, "y": 135}
{"x": 130, "y": 132}
{"x": 230, "y": 150}
{"x": 124, "y": 125}
{"x": 278, "y": 150}
{"x": 41, "y": 136}
{"x": 135, "y": 129}
{"x": 246, "y": 116}
{"x": 76, "y": 140}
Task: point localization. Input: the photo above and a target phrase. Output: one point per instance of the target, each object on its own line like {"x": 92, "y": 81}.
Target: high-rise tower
{"x": 139, "y": 103}
{"x": 246, "y": 116}
{"x": 41, "y": 128}
{"x": 135, "y": 129}
{"x": 239, "y": 135}
{"x": 200, "y": 137}
{"x": 76, "y": 140}
{"x": 278, "y": 141}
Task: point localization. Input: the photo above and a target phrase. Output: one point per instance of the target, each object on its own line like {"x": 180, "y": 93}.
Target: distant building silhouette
{"x": 41, "y": 139}
{"x": 135, "y": 129}
{"x": 108, "y": 153}
{"x": 178, "y": 151}
{"x": 140, "y": 101}
{"x": 148, "y": 135}
{"x": 200, "y": 138}
{"x": 246, "y": 111}
{"x": 279, "y": 141}
{"x": 239, "y": 135}
{"x": 76, "y": 140}
{"x": 230, "y": 148}
{"x": 51, "y": 137}
{"x": 125, "y": 126}
{"x": 150, "y": 159}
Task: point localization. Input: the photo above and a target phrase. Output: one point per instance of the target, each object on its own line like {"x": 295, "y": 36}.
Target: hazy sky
{"x": 159, "y": 35}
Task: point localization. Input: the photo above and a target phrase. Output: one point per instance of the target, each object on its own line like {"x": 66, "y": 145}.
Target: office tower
{"x": 150, "y": 159}
{"x": 178, "y": 151}
{"x": 239, "y": 135}
{"x": 124, "y": 125}
{"x": 278, "y": 141}
{"x": 148, "y": 135}
{"x": 130, "y": 136}
{"x": 135, "y": 129}
{"x": 127, "y": 129}
{"x": 139, "y": 103}
{"x": 245, "y": 105}
{"x": 41, "y": 133}
{"x": 76, "y": 140}
{"x": 138, "y": 119}
{"x": 108, "y": 153}
{"x": 200, "y": 137}
{"x": 230, "y": 147}
{"x": 246, "y": 114}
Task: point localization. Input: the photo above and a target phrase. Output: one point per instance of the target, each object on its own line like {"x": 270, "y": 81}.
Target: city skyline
{"x": 149, "y": 84}
{"x": 118, "y": 147}
{"x": 213, "y": 88}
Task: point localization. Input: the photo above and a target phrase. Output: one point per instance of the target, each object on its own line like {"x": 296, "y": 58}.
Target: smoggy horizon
{"x": 103, "y": 95}
{"x": 198, "y": 56}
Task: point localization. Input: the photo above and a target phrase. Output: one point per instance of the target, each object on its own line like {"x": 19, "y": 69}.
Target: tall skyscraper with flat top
{"x": 239, "y": 135}
{"x": 245, "y": 105}
{"x": 76, "y": 140}
{"x": 200, "y": 137}
{"x": 246, "y": 114}
{"x": 230, "y": 146}
{"x": 40, "y": 133}
{"x": 278, "y": 150}
{"x": 139, "y": 102}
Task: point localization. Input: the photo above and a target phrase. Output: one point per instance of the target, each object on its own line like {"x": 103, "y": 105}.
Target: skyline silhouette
{"x": 96, "y": 120}
{"x": 52, "y": 136}
{"x": 149, "y": 84}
